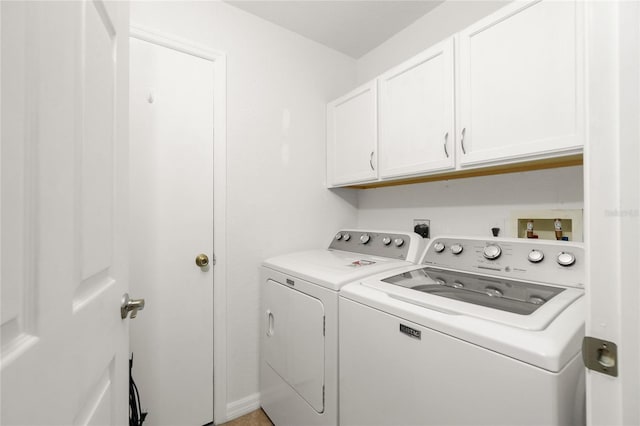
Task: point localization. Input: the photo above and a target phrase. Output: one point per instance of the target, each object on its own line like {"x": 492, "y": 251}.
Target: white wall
{"x": 471, "y": 206}
{"x": 278, "y": 86}
{"x": 443, "y": 21}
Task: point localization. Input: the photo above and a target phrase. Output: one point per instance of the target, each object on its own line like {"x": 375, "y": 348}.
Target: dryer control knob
{"x": 438, "y": 247}
{"x": 338, "y": 236}
{"x": 492, "y": 252}
{"x": 364, "y": 238}
{"x": 456, "y": 249}
{"x": 386, "y": 241}
{"x": 346, "y": 236}
{"x": 566, "y": 259}
{"x": 535, "y": 256}
{"x": 398, "y": 242}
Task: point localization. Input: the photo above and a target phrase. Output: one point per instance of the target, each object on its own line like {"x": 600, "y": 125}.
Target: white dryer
{"x": 299, "y": 331}
{"x": 485, "y": 332}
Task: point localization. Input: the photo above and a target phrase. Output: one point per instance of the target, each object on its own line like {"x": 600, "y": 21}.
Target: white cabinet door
{"x": 521, "y": 83}
{"x": 352, "y": 136}
{"x": 417, "y": 114}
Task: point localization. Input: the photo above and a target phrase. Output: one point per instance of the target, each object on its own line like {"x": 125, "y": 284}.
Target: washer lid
{"x": 331, "y": 268}
{"x": 502, "y": 294}
{"x": 509, "y": 311}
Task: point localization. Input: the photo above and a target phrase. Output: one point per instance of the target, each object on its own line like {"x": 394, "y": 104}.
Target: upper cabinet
{"x": 352, "y": 136}
{"x": 505, "y": 94}
{"x": 521, "y": 77}
{"x": 416, "y": 114}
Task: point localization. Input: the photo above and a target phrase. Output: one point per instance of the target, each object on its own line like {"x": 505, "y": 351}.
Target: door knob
{"x": 130, "y": 305}
{"x": 202, "y": 260}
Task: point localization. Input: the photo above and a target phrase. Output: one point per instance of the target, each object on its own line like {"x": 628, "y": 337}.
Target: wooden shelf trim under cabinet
{"x": 549, "y": 163}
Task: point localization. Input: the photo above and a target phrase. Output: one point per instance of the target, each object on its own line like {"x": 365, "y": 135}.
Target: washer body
{"x": 299, "y": 326}
{"x": 467, "y": 339}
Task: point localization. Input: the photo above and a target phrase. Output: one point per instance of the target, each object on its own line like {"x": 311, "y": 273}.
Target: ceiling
{"x": 353, "y": 27}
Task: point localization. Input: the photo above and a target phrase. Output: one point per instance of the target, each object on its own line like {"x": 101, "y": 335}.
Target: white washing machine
{"x": 485, "y": 332}
{"x": 299, "y": 336}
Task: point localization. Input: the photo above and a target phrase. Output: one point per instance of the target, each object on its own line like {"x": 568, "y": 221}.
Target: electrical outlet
{"x": 421, "y": 222}
{"x": 422, "y": 227}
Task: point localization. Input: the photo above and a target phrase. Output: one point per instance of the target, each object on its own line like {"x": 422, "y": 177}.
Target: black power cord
{"x": 136, "y": 416}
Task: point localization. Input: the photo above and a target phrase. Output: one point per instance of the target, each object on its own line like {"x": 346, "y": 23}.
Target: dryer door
{"x": 294, "y": 346}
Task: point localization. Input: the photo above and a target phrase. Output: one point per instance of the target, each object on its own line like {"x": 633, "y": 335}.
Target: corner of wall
{"x": 242, "y": 406}
{"x": 445, "y": 20}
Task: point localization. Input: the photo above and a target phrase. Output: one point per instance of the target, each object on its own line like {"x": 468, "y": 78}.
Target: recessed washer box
{"x": 544, "y": 223}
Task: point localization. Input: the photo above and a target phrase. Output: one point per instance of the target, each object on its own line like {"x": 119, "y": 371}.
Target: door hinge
{"x": 600, "y": 355}
{"x": 323, "y": 395}
{"x": 324, "y": 326}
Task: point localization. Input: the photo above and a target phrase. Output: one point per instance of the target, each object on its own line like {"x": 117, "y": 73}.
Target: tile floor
{"x": 255, "y": 418}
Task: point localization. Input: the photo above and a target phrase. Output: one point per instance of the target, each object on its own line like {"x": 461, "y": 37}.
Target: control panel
{"x": 552, "y": 262}
{"x": 407, "y": 246}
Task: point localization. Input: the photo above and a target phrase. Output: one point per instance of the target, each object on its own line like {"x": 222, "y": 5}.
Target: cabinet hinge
{"x": 323, "y": 395}
{"x": 600, "y": 355}
{"x": 324, "y": 326}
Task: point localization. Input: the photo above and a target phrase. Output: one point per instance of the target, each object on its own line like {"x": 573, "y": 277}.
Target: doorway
{"x": 176, "y": 148}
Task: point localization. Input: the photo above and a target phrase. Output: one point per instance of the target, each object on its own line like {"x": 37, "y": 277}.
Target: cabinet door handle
{"x": 464, "y": 151}
{"x": 371, "y": 161}
{"x": 446, "y": 138}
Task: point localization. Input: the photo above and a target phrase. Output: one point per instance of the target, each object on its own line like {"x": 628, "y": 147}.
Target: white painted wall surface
{"x": 443, "y": 21}
{"x": 471, "y": 206}
{"x": 278, "y": 87}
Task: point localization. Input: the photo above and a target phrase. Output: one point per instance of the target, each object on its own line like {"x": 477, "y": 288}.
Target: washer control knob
{"x": 386, "y": 241}
{"x": 364, "y": 238}
{"x": 346, "y": 236}
{"x": 492, "y": 251}
{"x": 535, "y": 256}
{"x": 456, "y": 249}
{"x": 566, "y": 259}
{"x": 438, "y": 247}
{"x": 338, "y": 236}
{"x": 398, "y": 242}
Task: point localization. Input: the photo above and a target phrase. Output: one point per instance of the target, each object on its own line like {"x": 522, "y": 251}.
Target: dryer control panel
{"x": 550, "y": 262}
{"x": 406, "y": 246}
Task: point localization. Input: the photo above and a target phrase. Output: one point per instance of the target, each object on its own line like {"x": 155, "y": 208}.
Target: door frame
{"x": 219, "y": 60}
{"x": 612, "y": 206}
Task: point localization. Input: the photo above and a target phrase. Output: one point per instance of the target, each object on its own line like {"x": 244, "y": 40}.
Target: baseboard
{"x": 243, "y": 406}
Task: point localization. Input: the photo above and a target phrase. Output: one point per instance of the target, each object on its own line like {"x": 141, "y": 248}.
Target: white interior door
{"x": 171, "y": 106}
{"x": 64, "y": 89}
